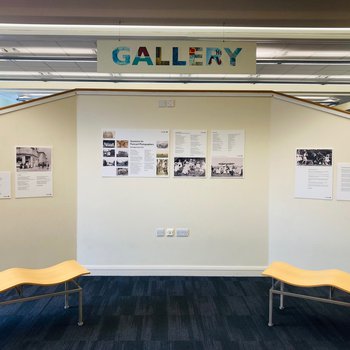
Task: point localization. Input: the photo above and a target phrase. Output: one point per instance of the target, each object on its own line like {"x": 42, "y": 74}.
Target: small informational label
{"x": 5, "y": 184}
{"x": 343, "y": 182}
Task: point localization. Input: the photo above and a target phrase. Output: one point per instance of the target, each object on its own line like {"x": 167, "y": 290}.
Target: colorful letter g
{"x": 122, "y": 59}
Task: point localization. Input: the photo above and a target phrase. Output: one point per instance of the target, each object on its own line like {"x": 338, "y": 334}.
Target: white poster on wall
{"x": 227, "y": 153}
{"x": 135, "y": 152}
{"x": 5, "y": 184}
{"x": 190, "y": 153}
{"x": 314, "y": 173}
{"x": 343, "y": 181}
{"x": 33, "y": 171}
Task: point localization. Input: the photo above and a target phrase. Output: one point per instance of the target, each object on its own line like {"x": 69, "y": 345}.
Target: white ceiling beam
{"x": 222, "y": 32}
{"x": 341, "y": 89}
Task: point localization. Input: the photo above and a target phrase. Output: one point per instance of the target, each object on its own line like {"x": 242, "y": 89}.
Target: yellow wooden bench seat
{"x": 65, "y": 272}
{"x": 284, "y": 273}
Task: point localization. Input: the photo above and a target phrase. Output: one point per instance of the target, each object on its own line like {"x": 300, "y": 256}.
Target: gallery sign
{"x": 176, "y": 57}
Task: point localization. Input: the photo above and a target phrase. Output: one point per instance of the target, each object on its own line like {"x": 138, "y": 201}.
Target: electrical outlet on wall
{"x": 160, "y": 232}
{"x": 182, "y": 232}
{"x": 170, "y": 232}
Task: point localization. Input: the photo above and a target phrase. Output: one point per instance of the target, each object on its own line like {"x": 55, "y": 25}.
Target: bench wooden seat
{"x": 65, "y": 272}
{"x": 284, "y": 273}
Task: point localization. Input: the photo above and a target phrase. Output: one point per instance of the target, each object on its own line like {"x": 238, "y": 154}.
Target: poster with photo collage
{"x": 135, "y": 153}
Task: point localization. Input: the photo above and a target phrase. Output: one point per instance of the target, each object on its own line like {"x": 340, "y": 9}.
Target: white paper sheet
{"x": 314, "y": 173}
{"x": 190, "y": 153}
{"x": 5, "y": 184}
{"x": 343, "y": 181}
{"x": 227, "y": 153}
{"x": 33, "y": 171}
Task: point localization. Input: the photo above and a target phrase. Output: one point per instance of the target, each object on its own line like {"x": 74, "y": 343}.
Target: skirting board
{"x": 144, "y": 270}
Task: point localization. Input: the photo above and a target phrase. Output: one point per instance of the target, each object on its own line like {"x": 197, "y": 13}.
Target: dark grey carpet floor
{"x": 174, "y": 313}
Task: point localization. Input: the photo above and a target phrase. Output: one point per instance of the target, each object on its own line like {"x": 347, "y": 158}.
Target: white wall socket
{"x": 170, "y": 232}
{"x": 160, "y": 232}
{"x": 182, "y": 232}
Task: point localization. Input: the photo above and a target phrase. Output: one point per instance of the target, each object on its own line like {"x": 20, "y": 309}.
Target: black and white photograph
{"x": 122, "y": 153}
{"x": 162, "y": 167}
{"x": 162, "y": 144}
{"x": 108, "y": 162}
{"x": 314, "y": 157}
{"x": 227, "y": 167}
{"x": 189, "y": 166}
{"x": 109, "y": 143}
{"x": 109, "y": 152}
{"x": 122, "y": 172}
{"x": 33, "y": 159}
{"x": 122, "y": 161}
{"x": 109, "y": 134}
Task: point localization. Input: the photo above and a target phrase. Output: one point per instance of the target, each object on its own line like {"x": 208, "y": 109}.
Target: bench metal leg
{"x": 331, "y": 289}
{"x": 66, "y": 296}
{"x": 282, "y": 296}
{"x": 80, "y": 322}
{"x": 270, "y": 307}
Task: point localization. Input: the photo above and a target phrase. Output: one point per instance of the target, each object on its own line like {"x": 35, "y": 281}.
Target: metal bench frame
{"x": 281, "y": 292}
{"x": 67, "y": 290}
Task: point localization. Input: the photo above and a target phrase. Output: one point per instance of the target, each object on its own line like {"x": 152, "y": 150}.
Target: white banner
{"x": 176, "y": 57}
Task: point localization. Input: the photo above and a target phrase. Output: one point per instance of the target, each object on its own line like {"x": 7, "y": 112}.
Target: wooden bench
{"x": 65, "y": 272}
{"x": 282, "y": 273}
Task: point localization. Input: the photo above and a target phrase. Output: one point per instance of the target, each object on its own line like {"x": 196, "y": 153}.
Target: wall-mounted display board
{"x": 227, "y": 153}
{"x": 343, "y": 181}
{"x": 33, "y": 171}
{"x": 135, "y": 153}
{"x": 190, "y": 153}
{"x": 313, "y": 173}
{"x": 5, "y": 184}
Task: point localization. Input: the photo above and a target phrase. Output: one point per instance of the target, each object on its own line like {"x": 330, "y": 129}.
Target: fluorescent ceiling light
{"x": 49, "y": 59}
{"x": 318, "y": 97}
{"x": 303, "y": 62}
{"x": 59, "y": 50}
{"x": 223, "y": 32}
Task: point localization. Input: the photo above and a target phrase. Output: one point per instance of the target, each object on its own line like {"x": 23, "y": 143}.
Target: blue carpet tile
{"x": 174, "y": 313}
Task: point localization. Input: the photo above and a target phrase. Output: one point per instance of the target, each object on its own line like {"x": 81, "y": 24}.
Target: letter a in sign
{"x": 142, "y": 51}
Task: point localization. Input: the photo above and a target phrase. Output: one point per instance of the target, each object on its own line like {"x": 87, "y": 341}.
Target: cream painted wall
{"x": 117, "y": 217}
{"x": 306, "y": 232}
{"x": 236, "y": 225}
{"x": 38, "y": 232}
